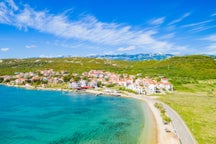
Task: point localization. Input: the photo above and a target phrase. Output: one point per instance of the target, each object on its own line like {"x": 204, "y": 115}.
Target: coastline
{"x": 157, "y": 128}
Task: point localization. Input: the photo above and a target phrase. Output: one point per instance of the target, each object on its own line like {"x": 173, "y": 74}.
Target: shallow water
{"x": 53, "y": 117}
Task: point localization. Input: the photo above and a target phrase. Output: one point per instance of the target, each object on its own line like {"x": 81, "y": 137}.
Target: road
{"x": 180, "y": 127}
{"x": 181, "y": 130}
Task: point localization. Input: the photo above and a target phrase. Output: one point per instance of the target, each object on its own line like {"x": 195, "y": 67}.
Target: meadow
{"x": 196, "y": 104}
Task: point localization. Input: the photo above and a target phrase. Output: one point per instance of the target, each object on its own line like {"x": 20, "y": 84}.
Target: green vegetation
{"x": 194, "y": 79}
{"x": 197, "y": 106}
{"x": 181, "y": 70}
{"x": 110, "y": 85}
{"x": 1, "y": 80}
{"x": 160, "y": 107}
{"x": 67, "y": 78}
{"x": 126, "y": 90}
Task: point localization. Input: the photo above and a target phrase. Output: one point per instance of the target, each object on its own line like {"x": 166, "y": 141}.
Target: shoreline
{"x": 158, "y": 134}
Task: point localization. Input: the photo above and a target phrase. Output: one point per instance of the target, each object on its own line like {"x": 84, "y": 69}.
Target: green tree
{"x": 77, "y": 78}
{"x": 86, "y": 78}
{"x": 67, "y": 78}
{"x": 1, "y": 80}
{"x": 99, "y": 84}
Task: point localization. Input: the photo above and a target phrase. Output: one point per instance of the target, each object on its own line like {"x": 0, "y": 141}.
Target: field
{"x": 197, "y": 106}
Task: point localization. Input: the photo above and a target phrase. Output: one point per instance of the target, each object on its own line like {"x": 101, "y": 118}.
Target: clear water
{"x": 52, "y": 117}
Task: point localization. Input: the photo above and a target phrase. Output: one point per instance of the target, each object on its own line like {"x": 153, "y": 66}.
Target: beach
{"x": 159, "y": 135}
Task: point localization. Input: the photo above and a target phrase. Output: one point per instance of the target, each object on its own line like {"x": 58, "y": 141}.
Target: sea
{"x": 57, "y": 117}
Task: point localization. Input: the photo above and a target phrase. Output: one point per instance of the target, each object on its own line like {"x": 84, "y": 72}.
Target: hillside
{"x": 186, "y": 69}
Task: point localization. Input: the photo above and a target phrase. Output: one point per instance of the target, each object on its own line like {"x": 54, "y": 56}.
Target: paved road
{"x": 182, "y": 130}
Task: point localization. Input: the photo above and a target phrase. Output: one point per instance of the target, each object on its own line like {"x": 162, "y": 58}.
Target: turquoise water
{"x": 53, "y": 117}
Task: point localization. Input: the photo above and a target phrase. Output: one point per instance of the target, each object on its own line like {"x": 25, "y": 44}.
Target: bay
{"x": 54, "y": 117}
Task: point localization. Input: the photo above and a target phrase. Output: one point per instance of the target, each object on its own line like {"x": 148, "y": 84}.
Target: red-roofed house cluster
{"x": 91, "y": 79}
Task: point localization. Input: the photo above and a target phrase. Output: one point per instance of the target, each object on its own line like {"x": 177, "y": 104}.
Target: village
{"x": 93, "y": 79}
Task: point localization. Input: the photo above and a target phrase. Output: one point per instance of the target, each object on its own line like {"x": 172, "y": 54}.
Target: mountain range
{"x": 134, "y": 57}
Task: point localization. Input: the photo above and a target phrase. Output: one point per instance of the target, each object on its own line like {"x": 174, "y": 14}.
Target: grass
{"x": 165, "y": 118}
{"x": 197, "y": 106}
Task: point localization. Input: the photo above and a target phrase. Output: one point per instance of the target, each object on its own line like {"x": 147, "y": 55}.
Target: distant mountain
{"x": 213, "y": 56}
{"x": 134, "y": 57}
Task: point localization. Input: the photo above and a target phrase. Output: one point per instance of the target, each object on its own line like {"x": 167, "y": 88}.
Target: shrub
{"x": 1, "y": 80}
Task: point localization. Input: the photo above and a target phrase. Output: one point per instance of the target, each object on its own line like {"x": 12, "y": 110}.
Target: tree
{"x": 86, "y": 78}
{"x": 67, "y": 78}
{"x": 107, "y": 79}
{"x": 1, "y": 80}
{"x": 77, "y": 78}
{"x": 99, "y": 84}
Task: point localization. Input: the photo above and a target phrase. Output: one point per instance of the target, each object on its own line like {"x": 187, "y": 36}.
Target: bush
{"x": 163, "y": 112}
{"x": 1, "y": 80}
{"x": 67, "y": 78}
{"x": 110, "y": 85}
{"x": 99, "y": 84}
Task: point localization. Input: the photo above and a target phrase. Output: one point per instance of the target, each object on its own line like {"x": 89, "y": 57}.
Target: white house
{"x": 74, "y": 85}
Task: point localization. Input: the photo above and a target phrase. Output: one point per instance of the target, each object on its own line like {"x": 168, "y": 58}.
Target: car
{"x": 167, "y": 130}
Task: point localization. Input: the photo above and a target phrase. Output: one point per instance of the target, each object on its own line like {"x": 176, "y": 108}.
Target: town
{"x": 92, "y": 79}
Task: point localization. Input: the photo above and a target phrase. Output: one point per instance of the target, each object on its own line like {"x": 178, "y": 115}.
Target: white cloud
{"x": 158, "y": 21}
{"x": 87, "y": 29}
{"x": 202, "y": 28}
{"x": 4, "y": 49}
{"x": 180, "y": 19}
{"x": 30, "y": 46}
{"x": 197, "y": 24}
{"x": 12, "y": 4}
{"x": 211, "y": 49}
{"x": 168, "y": 36}
{"x": 210, "y": 38}
{"x": 5, "y": 13}
{"x": 127, "y": 48}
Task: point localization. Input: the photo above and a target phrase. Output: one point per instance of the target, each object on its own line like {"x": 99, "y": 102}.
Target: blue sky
{"x": 45, "y": 28}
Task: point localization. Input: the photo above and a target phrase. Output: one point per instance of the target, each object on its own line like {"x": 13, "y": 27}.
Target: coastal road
{"x": 181, "y": 130}
{"x": 180, "y": 127}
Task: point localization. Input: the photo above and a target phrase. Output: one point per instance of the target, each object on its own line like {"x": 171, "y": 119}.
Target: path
{"x": 180, "y": 127}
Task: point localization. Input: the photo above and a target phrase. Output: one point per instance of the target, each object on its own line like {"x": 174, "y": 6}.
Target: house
{"x": 165, "y": 84}
{"x": 93, "y": 84}
{"x": 47, "y": 73}
{"x": 139, "y": 81}
{"x": 83, "y": 83}
{"x": 122, "y": 83}
{"x": 139, "y": 90}
{"x": 74, "y": 85}
{"x": 7, "y": 78}
{"x": 57, "y": 80}
{"x": 114, "y": 78}
{"x": 35, "y": 78}
{"x": 150, "y": 86}
{"x": 19, "y": 81}
{"x": 95, "y": 73}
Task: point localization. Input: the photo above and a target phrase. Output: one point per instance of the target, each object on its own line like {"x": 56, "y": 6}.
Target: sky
{"x": 46, "y": 28}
